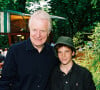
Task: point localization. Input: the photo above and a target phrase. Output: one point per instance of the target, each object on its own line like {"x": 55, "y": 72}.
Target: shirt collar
{"x": 71, "y": 70}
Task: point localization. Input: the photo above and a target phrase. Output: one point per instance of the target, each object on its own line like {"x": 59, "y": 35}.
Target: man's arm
{"x": 8, "y": 71}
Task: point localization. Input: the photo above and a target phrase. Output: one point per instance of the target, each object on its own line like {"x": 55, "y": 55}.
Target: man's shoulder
{"x": 19, "y": 45}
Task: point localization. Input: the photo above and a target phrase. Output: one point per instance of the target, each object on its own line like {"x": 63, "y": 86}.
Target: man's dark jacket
{"x": 25, "y": 68}
{"x": 79, "y": 78}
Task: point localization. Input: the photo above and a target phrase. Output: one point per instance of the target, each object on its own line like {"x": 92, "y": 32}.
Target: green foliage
{"x": 17, "y": 5}
{"x": 4, "y": 41}
{"x": 91, "y": 56}
{"x": 96, "y": 39}
{"x": 7, "y": 4}
{"x": 78, "y": 39}
{"x": 32, "y": 0}
{"x": 80, "y": 16}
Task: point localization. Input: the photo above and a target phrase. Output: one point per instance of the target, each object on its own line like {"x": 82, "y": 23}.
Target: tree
{"x": 20, "y": 5}
{"x": 17, "y": 5}
{"x": 79, "y": 16}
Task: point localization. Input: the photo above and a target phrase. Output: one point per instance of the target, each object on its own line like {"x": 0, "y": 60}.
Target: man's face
{"x": 65, "y": 55}
{"x": 39, "y": 32}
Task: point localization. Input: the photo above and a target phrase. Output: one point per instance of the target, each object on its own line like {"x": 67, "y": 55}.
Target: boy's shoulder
{"x": 81, "y": 69}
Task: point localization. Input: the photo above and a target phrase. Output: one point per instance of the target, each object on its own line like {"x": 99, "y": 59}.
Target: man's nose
{"x": 38, "y": 33}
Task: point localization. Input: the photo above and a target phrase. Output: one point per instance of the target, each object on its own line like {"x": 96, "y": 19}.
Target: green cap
{"x": 65, "y": 41}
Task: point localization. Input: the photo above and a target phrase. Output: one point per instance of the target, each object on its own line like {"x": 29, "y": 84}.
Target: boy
{"x": 68, "y": 75}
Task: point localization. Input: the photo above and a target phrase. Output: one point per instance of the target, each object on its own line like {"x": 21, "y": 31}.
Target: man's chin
{"x": 38, "y": 45}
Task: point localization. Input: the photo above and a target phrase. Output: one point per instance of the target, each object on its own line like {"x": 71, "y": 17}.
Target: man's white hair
{"x": 40, "y": 14}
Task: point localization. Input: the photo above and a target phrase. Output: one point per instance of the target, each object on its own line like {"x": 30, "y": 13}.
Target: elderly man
{"x": 28, "y": 64}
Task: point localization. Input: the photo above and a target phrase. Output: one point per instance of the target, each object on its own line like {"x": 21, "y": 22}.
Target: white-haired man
{"x": 28, "y": 64}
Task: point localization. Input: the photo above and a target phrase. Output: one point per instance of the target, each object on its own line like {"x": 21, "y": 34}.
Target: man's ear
{"x": 49, "y": 33}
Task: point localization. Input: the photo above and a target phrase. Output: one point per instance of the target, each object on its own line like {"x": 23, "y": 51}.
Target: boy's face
{"x": 65, "y": 55}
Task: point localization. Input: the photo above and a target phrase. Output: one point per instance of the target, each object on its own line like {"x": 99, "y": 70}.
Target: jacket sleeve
{"x": 89, "y": 83}
{"x": 8, "y": 71}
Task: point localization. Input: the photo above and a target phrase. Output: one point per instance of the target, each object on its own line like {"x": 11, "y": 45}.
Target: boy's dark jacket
{"x": 79, "y": 78}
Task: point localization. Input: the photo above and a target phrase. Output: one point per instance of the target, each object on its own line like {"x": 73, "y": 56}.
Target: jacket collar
{"x": 29, "y": 45}
{"x": 74, "y": 67}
